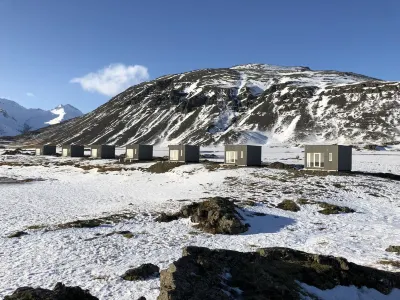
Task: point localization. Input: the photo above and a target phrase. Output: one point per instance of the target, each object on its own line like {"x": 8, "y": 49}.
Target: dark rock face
{"x": 143, "y": 272}
{"x": 17, "y": 234}
{"x": 270, "y": 273}
{"x": 60, "y": 292}
{"x": 215, "y": 215}
{"x": 216, "y": 106}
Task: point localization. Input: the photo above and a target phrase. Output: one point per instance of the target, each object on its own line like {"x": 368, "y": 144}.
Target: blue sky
{"x": 48, "y": 48}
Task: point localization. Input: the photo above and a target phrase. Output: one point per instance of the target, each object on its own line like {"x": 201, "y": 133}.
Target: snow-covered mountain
{"x": 16, "y": 119}
{"x": 252, "y": 103}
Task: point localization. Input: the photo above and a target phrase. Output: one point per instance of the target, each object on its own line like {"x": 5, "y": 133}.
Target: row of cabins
{"x": 317, "y": 157}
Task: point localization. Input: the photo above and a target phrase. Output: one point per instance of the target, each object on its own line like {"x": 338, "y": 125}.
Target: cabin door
{"x": 174, "y": 155}
{"x": 37, "y": 151}
{"x": 64, "y": 152}
{"x": 94, "y": 152}
{"x": 231, "y": 157}
{"x": 129, "y": 153}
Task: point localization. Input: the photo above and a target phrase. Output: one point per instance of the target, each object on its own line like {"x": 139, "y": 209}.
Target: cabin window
{"x": 330, "y": 157}
{"x": 64, "y": 152}
{"x": 174, "y": 154}
{"x": 129, "y": 153}
{"x": 230, "y": 157}
{"x": 181, "y": 152}
{"x": 308, "y": 160}
{"x": 94, "y": 152}
{"x": 241, "y": 154}
{"x": 37, "y": 151}
{"x": 135, "y": 151}
{"x": 315, "y": 160}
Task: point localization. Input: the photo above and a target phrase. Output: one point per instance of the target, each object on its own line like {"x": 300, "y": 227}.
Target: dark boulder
{"x": 142, "y": 272}
{"x": 270, "y": 273}
{"x": 214, "y": 215}
{"x": 60, "y": 292}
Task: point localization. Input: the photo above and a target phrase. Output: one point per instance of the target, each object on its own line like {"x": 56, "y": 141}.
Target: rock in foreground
{"x": 60, "y": 292}
{"x": 215, "y": 215}
{"x": 270, "y": 273}
{"x": 143, "y": 272}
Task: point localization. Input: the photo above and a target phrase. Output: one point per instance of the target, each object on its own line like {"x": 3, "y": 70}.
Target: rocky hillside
{"x": 247, "y": 103}
{"x": 16, "y": 119}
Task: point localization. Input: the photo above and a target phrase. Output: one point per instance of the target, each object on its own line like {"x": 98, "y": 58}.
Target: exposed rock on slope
{"x": 60, "y": 292}
{"x": 248, "y": 103}
{"x": 270, "y": 273}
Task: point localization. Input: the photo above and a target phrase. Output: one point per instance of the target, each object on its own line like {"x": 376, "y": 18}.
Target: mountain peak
{"x": 15, "y": 118}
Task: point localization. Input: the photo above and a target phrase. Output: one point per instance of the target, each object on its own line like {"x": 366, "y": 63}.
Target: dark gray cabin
{"x": 184, "y": 153}
{"x": 328, "y": 157}
{"x": 73, "y": 150}
{"x": 46, "y": 150}
{"x": 139, "y": 152}
{"x": 243, "y": 155}
{"x": 102, "y": 151}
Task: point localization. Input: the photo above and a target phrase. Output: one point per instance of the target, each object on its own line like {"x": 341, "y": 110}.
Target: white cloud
{"x": 30, "y": 94}
{"x": 113, "y": 79}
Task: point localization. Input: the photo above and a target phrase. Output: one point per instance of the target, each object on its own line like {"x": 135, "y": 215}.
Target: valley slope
{"x": 251, "y": 103}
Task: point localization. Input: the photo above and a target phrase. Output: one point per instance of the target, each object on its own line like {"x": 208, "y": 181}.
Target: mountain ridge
{"x": 252, "y": 103}
{"x": 16, "y": 119}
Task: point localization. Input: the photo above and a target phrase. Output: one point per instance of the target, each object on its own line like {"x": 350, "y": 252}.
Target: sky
{"x": 83, "y": 52}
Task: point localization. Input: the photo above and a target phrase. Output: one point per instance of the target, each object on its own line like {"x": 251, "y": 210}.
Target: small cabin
{"x": 139, "y": 152}
{"x": 46, "y": 150}
{"x": 328, "y": 157}
{"x": 243, "y": 155}
{"x": 73, "y": 151}
{"x": 102, "y": 151}
{"x": 184, "y": 153}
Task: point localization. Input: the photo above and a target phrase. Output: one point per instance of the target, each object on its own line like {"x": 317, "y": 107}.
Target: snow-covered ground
{"x": 96, "y": 262}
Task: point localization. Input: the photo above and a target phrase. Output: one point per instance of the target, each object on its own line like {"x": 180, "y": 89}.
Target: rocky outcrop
{"x": 214, "y": 215}
{"x": 270, "y": 273}
{"x": 60, "y": 292}
{"x": 142, "y": 272}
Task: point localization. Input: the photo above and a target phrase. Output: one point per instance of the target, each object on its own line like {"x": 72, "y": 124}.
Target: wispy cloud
{"x": 30, "y": 94}
{"x": 112, "y": 79}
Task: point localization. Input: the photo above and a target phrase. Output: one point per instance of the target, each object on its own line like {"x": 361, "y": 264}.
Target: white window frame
{"x": 330, "y": 156}
{"x": 135, "y": 151}
{"x": 174, "y": 155}
{"x": 231, "y": 157}
{"x": 94, "y": 153}
{"x": 38, "y": 150}
{"x": 65, "y": 152}
{"x": 181, "y": 152}
{"x": 241, "y": 154}
{"x": 308, "y": 160}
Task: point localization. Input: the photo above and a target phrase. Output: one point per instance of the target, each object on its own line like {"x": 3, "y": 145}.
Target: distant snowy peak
{"x": 16, "y": 119}
{"x": 63, "y": 113}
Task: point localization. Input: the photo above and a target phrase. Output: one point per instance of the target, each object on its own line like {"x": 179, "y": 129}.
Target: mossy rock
{"x": 289, "y": 205}
{"x": 142, "y": 272}
{"x": 393, "y": 249}
{"x": 331, "y": 209}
